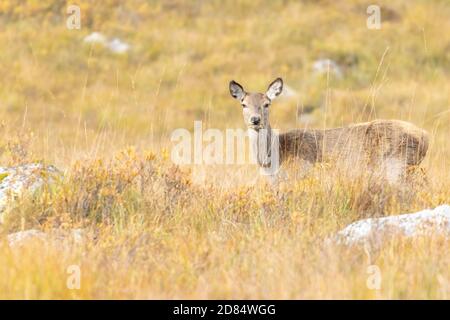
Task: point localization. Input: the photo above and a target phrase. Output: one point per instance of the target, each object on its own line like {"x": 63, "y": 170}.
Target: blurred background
{"x": 136, "y": 70}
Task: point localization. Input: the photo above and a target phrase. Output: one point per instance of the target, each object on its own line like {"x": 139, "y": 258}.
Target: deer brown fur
{"x": 375, "y": 140}
{"x": 378, "y": 143}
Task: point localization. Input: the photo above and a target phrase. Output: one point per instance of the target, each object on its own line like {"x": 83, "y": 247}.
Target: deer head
{"x": 255, "y": 106}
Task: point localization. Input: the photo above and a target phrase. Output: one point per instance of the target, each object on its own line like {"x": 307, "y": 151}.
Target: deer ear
{"x": 236, "y": 90}
{"x": 275, "y": 88}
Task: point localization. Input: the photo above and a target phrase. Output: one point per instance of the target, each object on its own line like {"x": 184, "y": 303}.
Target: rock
{"x": 95, "y": 37}
{"x": 115, "y": 45}
{"x": 118, "y": 46}
{"x": 323, "y": 66}
{"x": 376, "y": 231}
{"x": 15, "y": 181}
{"x": 56, "y": 238}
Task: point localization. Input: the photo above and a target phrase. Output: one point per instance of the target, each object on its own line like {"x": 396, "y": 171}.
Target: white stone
{"x": 115, "y": 45}
{"x": 95, "y": 37}
{"x": 323, "y": 66}
{"x": 15, "y": 181}
{"x": 376, "y": 231}
{"x": 118, "y": 46}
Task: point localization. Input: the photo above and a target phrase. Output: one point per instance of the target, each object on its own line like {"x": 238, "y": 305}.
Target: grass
{"x": 106, "y": 120}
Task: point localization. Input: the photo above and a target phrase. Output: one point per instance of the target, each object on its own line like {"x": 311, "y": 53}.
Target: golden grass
{"x": 156, "y": 233}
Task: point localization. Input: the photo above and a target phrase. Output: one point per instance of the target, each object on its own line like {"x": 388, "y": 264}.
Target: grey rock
{"x": 118, "y": 46}
{"x": 375, "y": 232}
{"x": 115, "y": 45}
{"x": 15, "y": 181}
{"x": 95, "y": 37}
{"x": 323, "y": 66}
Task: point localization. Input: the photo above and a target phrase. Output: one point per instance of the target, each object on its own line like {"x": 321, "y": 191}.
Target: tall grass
{"x": 153, "y": 231}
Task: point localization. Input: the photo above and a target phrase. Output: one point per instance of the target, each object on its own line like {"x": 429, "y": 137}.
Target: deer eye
{"x": 266, "y": 105}
{"x": 244, "y": 106}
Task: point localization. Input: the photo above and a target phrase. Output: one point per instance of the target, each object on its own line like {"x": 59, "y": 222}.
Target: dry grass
{"x": 157, "y": 233}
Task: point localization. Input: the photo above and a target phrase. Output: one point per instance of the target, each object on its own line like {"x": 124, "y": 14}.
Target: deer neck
{"x": 261, "y": 144}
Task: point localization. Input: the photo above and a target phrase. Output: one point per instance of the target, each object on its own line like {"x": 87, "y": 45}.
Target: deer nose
{"x": 255, "y": 120}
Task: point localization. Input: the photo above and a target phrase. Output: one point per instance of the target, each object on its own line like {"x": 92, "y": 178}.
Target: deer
{"x": 393, "y": 146}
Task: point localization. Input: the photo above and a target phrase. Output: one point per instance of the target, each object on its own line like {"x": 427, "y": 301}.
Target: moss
{"x": 3, "y": 176}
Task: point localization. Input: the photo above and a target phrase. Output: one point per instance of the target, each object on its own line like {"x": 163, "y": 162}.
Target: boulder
{"x": 376, "y": 231}
{"x": 95, "y": 37}
{"x": 15, "y": 181}
{"x": 325, "y": 66}
{"x": 116, "y": 45}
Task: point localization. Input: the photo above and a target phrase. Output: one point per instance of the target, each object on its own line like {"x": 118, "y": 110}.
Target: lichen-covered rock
{"x": 15, "y": 181}
{"x": 375, "y": 231}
